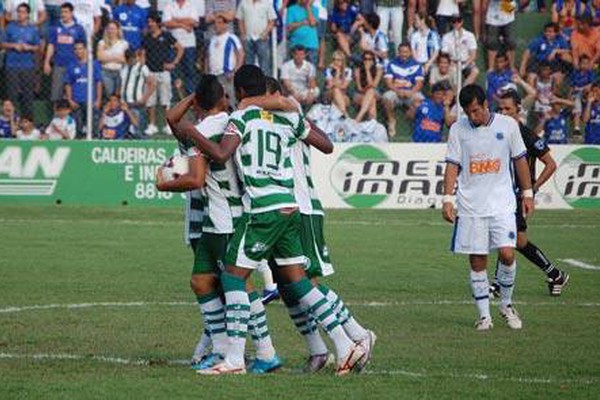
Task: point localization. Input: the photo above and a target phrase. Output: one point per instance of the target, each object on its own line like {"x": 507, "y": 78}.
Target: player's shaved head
{"x": 209, "y": 92}
{"x": 249, "y": 81}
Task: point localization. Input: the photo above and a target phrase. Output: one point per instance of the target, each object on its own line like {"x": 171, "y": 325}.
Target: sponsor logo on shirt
{"x": 486, "y": 166}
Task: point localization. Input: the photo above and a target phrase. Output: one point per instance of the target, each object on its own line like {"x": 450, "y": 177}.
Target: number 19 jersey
{"x": 263, "y": 157}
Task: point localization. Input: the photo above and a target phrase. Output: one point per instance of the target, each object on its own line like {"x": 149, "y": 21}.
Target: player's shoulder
{"x": 504, "y": 122}
{"x": 213, "y": 124}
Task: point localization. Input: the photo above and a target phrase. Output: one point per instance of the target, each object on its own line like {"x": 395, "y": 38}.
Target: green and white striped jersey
{"x": 221, "y": 195}
{"x": 194, "y": 207}
{"x": 263, "y": 157}
{"x": 304, "y": 189}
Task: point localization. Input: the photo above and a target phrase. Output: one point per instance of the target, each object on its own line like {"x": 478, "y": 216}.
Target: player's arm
{"x": 175, "y": 114}
{"x": 194, "y": 179}
{"x": 524, "y": 179}
{"x": 318, "y": 139}
{"x": 270, "y": 102}
{"x": 547, "y": 172}
{"x": 453, "y": 157}
{"x": 219, "y": 152}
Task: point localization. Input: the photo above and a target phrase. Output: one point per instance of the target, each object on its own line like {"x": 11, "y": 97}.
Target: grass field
{"x": 128, "y": 271}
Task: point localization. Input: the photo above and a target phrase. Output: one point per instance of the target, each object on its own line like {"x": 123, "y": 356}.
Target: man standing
{"x": 133, "y": 20}
{"x": 480, "y": 156}
{"x": 22, "y": 40}
{"x": 302, "y": 28}
{"x": 537, "y": 149}
{"x": 61, "y": 53}
{"x": 462, "y": 46}
{"x": 256, "y": 20}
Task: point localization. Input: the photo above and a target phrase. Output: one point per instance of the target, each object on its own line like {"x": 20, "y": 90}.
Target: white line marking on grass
{"x": 401, "y": 372}
{"x": 376, "y": 304}
{"x": 580, "y": 264}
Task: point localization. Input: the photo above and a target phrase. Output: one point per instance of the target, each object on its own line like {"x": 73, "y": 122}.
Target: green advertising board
{"x": 81, "y": 172}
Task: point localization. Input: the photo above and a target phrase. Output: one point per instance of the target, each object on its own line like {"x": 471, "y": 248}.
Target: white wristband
{"x": 448, "y": 198}
{"x": 528, "y": 193}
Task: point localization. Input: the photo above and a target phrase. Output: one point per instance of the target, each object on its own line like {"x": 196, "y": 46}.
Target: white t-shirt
{"x": 298, "y": 77}
{"x": 85, "y": 11}
{"x": 118, "y": 48}
{"x": 485, "y": 155}
{"x": 33, "y": 135}
{"x": 459, "y": 47}
{"x": 420, "y": 43}
{"x": 222, "y": 56}
{"x": 143, "y": 3}
{"x": 447, "y": 8}
{"x": 66, "y": 125}
{"x": 500, "y": 12}
{"x": 189, "y": 9}
{"x": 10, "y": 7}
{"x": 256, "y": 16}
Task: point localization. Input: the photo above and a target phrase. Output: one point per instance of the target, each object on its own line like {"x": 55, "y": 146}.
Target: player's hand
{"x": 448, "y": 212}
{"x": 47, "y": 69}
{"x": 159, "y": 179}
{"x": 528, "y": 206}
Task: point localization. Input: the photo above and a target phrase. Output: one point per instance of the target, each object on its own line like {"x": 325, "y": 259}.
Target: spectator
{"x": 594, "y": 11}
{"x": 545, "y": 86}
{"x": 414, "y": 7}
{"x": 87, "y": 13}
{"x": 27, "y": 130}
{"x": 591, "y": 116}
{"x": 60, "y": 52}
{"x": 299, "y": 77}
{"x": 443, "y": 70}
{"x": 302, "y": 28}
{"x": 133, "y": 20}
{"x": 391, "y": 17}
{"x": 581, "y": 83}
{"x": 556, "y": 126}
{"x": 498, "y": 79}
{"x": 52, "y": 13}
{"x": 425, "y": 42}
{"x": 76, "y": 85}
{"x": 157, "y": 47}
{"x": 221, "y": 8}
{"x": 256, "y": 19}
{"x": 404, "y": 80}
{"x": 137, "y": 85}
{"x": 181, "y": 18}
{"x": 479, "y": 12}
{"x": 443, "y": 15}
{"x": 373, "y": 39}
{"x": 62, "y": 126}
{"x": 585, "y": 41}
{"x": 22, "y": 41}
{"x": 551, "y": 47}
{"x": 116, "y": 119}
{"x": 343, "y": 23}
{"x": 367, "y": 77}
{"x": 225, "y": 56}
{"x": 564, "y": 13}
{"x": 430, "y": 116}
{"x": 499, "y": 21}
{"x": 111, "y": 54}
{"x": 337, "y": 79}
{"x": 461, "y": 45}
{"x": 37, "y": 11}
{"x": 321, "y": 15}
{"x": 9, "y": 121}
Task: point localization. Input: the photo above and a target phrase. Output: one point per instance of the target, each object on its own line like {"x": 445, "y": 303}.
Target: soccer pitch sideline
{"x": 94, "y": 303}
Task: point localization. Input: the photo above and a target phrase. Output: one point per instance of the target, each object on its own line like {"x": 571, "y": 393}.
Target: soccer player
{"x": 270, "y": 225}
{"x": 222, "y": 206}
{"x": 537, "y": 149}
{"x": 480, "y": 149}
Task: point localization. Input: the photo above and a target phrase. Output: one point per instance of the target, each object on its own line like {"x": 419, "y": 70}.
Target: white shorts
{"x": 162, "y": 94}
{"x": 392, "y": 97}
{"x": 480, "y": 235}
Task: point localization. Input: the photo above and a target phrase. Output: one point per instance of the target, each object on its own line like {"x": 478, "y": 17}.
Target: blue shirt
{"x": 344, "y": 20}
{"x": 25, "y": 34}
{"x": 76, "y": 76}
{"x": 116, "y": 124}
{"x": 581, "y": 78}
{"x": 133, "y": 20}
{"x": 429, "y": 122}
{"x": 592, "y": 128}
{"x": 540, "y": 48}
{"x": 64, "y": 38}
{"x": 405, "y": 74}
{"x": 556, "y": 129}
{"x": 495, "y": 81}
{"x": 305, "y": 35}
{"x": 5, "y": 128}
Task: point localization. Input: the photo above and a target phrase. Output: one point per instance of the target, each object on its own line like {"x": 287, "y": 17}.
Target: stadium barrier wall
{"x": 390, "y": 176}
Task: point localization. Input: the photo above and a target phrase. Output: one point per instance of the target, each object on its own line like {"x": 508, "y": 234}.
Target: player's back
{"x": 263, "y": 157}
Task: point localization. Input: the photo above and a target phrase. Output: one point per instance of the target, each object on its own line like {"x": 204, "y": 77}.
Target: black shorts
{"x": 521, "y": 221}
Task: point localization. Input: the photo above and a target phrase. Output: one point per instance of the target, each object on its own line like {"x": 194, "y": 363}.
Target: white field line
{"x": 580, "y": 264}
{"x": 376, "y": 304}
{"x": 401, "y": 372}
{"x": 375, "y": 222}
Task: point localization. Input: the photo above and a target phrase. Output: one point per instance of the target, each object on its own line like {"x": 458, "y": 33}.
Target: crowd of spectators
{"x": 372, "y": 60}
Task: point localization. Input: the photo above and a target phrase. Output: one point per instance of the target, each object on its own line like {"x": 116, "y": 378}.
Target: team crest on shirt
{"x": 258, "y": 247}
{"x": 499, "y": 135}
{"x": 511, "y": 235}
{"x": 123, "y": 16}
{"x": 266, "y": 116}
{"x": 77, "y": 70}
{"x": 539, "y": 144}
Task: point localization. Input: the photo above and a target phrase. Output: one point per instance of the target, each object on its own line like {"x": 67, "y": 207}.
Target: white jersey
{"x": 485, "y": 156}
{"x": 459, "y": 44}
{"x": 500, "y": 12}
{"x": 85, "y": 11}
{"x": 304, "y": 189}
{"x": 263, "y": 157}
{"x": 221, "y": 195}
{"x": 66, "y": 125}
{"x": 194, "y": 207}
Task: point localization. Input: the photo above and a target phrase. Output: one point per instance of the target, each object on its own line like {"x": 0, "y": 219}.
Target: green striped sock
{"x": 258, "y": 328}
{"x": 213, "y": 313}
{"x": 237, "y": 315}
{"x": 353, "y": 329}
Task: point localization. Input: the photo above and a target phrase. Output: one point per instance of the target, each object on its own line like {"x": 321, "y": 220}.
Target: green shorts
{"x": 314, "y": 247}
{"x": 209, "y": 252}
{"x": 261, "y": 236}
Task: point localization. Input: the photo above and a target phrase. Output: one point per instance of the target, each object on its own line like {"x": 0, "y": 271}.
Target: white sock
{"x": 237, "y": 314}
{"x": 506, "y": 280}
{"x": 259, "y": 330}
{"x": 354, "y": 330}
{"x": 267, "y": 276}
{"x": 308, "y": 329}
{"x": 481, "y": 292}
{"x": 213, "y": 313}
{"x": 202, "y": 347}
